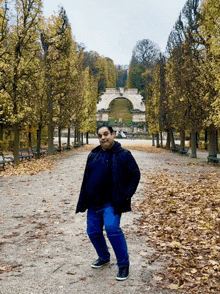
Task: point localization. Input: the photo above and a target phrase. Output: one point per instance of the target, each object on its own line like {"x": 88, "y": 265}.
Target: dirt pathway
{"x": 44, "y": 247}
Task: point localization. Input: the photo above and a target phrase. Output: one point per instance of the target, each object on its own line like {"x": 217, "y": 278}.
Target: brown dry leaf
{"x": 193, "y": 271}
{"x": 157, "y": 278}
{"x": 180, "y": 220}
{"x": 111, "y": 283}
{"x": 173, "y": 286}
{"x": 8, "y": 268}
{"x": 83, "y": 279}
{"x": 41, "y": 285}
{"x": 174, "y": 244}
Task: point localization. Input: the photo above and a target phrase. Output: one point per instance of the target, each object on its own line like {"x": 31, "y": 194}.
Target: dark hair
{"x": 106, "y": 126}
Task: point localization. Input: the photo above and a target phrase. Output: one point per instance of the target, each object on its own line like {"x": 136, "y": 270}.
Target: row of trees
{"x": 182, "y": 88}
{"x": 47, "y": 80}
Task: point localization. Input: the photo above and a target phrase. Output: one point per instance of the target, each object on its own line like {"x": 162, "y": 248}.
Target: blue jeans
{"x": 96, "y": 219}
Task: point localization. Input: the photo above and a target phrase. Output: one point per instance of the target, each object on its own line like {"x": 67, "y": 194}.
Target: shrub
{"x": 129, "y": 122}
{"x": 111, "y": 121}
{"x": 140, "y": 124}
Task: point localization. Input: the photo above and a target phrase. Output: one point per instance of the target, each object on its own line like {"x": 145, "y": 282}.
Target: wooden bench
{"x": 66, "y": 147}
{"x": 177, "y": 148}
{"x": 57, "y": 148}
{"x": 5, "y": 159}
{"x": 25, "y": 154}
{"x": 34, "y": 151}
{"x": 213, "y": 159}
{"x": 184, "y": 150}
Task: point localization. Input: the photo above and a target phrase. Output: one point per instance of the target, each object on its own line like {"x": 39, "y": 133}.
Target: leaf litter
{"x": 181, "y": 220}
{"x": 30, "y": 167}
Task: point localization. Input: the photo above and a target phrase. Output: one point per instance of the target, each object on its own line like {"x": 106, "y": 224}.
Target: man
{"x": 110, "y": 180}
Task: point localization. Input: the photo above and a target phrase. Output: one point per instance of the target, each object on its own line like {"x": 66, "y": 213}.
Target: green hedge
{"x": 129, "y": 122}
{"x": 140, "y": 124}
{"x": 111, "y": 121}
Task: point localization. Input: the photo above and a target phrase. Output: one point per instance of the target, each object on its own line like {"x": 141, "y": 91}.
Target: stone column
{"x": 105, "y": 117}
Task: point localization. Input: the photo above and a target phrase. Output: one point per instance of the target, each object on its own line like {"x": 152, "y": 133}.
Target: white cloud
{"x": 112, "y": 27}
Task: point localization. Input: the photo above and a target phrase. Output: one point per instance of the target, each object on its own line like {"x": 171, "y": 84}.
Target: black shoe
{"x": 123, "y": 273}
{"x": 99, "y": 264}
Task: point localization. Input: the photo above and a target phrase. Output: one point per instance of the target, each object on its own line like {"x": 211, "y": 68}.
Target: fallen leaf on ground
{"x": 157, "y": 278}
{"x": 179, "y": 217}
{"x": 173, "y": 286}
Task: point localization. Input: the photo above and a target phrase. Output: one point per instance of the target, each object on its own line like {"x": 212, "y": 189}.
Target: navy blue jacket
{"x": 126, "y": 176}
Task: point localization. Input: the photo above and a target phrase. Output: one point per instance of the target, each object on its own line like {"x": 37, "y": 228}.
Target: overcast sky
{"x": 112, "y": 27}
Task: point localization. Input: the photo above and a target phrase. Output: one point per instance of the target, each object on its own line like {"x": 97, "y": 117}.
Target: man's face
{"x": 106, "y": 139}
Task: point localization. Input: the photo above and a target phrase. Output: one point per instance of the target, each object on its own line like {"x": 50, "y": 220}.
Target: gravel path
{"x": 44, "y": 247}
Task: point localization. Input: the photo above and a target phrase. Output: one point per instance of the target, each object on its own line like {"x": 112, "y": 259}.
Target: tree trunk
{"x": 29, "y": 139}
{"x": 16, "y": 144}
{"x": 172, "y": 139}
{"x": 153, "y": 142}
{"x": 50, "y": 139}
{"x": 59, "y": 138}
{"x": 182, "y": 138}
{"x": 161, "y": 140}
{"x": 78, "y": 137}
{"x": 212, "y": 141}
{"x": 51, "y": 124}
{"x": 206, "y": 139}
{"x": 1, "y": 131}
{"x": 87, "y": 138}
{"x": 168, "y": 140}
{"x": 158, "y": 140}
{"x": 193, "y": 144}
{"x": 75, "y": 136}
{"x": 39, "y": 140}
{"x": 68, "y": 138}
{"x": 197, "y": 140}
{"x": 82, "y": 139}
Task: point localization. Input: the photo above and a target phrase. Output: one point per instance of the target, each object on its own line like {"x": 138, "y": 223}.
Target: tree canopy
{"x": 47, "y": 79}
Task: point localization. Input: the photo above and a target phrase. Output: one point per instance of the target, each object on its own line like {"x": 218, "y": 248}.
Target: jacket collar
{"x": 116, "y": 148}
